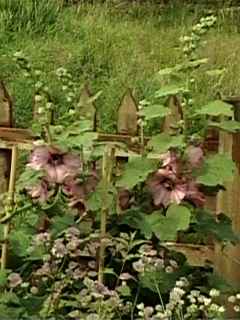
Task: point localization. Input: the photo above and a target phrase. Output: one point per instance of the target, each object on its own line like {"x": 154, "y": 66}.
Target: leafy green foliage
{"x": 20, "y": 242}
{"x": 137, "y": 220}
{"x": 219, "y": 228}
{"x": 158, "y": 281}
{"x": 163, "y": 142}
{"x": 136, "y": 171}
{"x": 166, "y": 227}
{"x": 216, "y": 108}
{"x": 154, "y": 111}
{"x": 28, "y": 177}
{"x": 217, "y": 170}
{"x": 227, "y": 125}
{"x": 169, "y": 91}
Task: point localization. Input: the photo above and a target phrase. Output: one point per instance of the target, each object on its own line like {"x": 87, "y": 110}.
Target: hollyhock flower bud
{"x": 195, "y": 156}
{"x": 14, "y": 280}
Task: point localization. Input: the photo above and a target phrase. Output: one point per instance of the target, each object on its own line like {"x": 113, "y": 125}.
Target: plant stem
{"x": 107, "y": 166}
{"x": 11, "y": 190}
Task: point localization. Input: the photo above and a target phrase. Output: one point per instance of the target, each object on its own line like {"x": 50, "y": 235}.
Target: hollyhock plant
{"x": 173, "y": 183}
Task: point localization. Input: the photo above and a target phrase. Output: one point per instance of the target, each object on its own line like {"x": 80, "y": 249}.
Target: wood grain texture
{"x": 127, "y": 115}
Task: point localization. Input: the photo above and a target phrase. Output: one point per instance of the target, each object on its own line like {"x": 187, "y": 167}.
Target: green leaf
{"x": 20, "y": 242}
{"x": 28, "y": 178}
{"x": 135, "y": 171}
{"x": 158, "y": 281}
{"x": 59, "y": 223}
{"x": 217, "y": 108}
{"x": 95, "y": 201}
{"x": 124, "y": 291}
{"x": 220, "y": 228}
{"x": 3, "y": 278}
{"x": 182, "y": 67}
{"x": 137, "y": 220}
{"x": 228, "y": 125}
{"x": 166, "y": 227}
{"x": 154, "y": 111}
{"x": 215, "y": 72}
{"x": 10, "y": 313}
{"x": 217, "y": 170}
{"x": 169, "y": 90}
{"x": 163, "y": 142}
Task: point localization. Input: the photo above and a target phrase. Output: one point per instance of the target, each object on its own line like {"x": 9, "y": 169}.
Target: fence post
{"x": 227, "y": 260}
{"x": 5, "y": 155}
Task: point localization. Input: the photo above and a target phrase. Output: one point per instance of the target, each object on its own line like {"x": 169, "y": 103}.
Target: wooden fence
{"x": 225, "y": 261}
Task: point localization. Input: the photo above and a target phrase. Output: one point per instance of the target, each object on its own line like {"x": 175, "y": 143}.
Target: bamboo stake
{"x": 9, "y": 207}
{"x": 107, "y": 167}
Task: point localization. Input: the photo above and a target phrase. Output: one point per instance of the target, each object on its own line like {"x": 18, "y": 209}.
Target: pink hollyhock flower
{"x": 170, "y": 184}
{"x": 57, "y": 164}
{"x": 194, "y": 195}
{"x": 39, "y": 158}
{"x": 170, "y": 161}
{"x": 124, "y": 199}
{"x": 79, "y": 191}
{"x": 166, "y": 188}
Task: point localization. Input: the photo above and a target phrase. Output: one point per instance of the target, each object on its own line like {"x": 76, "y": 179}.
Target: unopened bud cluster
{"x": 191, "y": 43}
{"x": 68, "y": 85}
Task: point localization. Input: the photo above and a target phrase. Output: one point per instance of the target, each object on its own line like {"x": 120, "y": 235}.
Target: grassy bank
{"x": 113, "y": 49}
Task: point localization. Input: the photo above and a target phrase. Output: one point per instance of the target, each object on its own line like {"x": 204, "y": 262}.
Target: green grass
{"x": 114, "y": 49}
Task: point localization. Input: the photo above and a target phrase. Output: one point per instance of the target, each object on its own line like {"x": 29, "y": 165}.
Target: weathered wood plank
{"x": 127, "y": 122}
{"x": 228, "y": 202}
{"x": 197, "y": 255}
{"x": 175, "y": 116}
{"x": 5, "y": 155}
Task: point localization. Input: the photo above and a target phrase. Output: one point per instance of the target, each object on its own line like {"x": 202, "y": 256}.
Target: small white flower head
{"x": 41, "y": 110}
{"x": 26, "y": 74}
{"x": 236, "y": 308}
{"x": 231, "y": 299}
{"x": 207, "y": 301}
{"x": 18, "y": 55}
{"x": 214, "y": 293}
{"x": 38, "y": 98}
{"x": 34, "y": 290}
{"x": 49, "y": 105}
{"x": 38, "y": 72}
{"x": 69, "y": 99}
{"x": 173, "y": 263}
{"x": 38, "y": 85}
{"x": 60, "y": 72}
{"x": 221, "y": 309}
{"x": 169, "y": 269}
{"x": 238, "y": 296}
{"x": 71, "y": 94}
{"x": 192, "y": 300}
{"x": 71, "y": 111}
{"x": 140, "y": 306}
